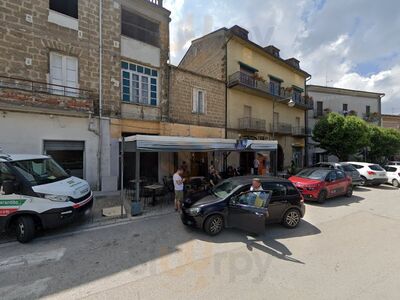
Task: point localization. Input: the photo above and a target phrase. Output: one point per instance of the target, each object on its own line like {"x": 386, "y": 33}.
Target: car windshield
{"x": 349, "y": 168}
{"x": 376, "y": 168}
{"x": 319, "y": 174}
{"x": 40, "y": 171}
{"x": 224, "y": 189}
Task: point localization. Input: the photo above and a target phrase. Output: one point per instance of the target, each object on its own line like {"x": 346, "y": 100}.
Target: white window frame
{"x": 196, "y": 101}
{"x": 141, "y": 76}
{"x": 73, "y": 91}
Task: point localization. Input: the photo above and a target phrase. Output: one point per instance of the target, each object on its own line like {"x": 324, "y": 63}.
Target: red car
{"x": 319, "y": 184}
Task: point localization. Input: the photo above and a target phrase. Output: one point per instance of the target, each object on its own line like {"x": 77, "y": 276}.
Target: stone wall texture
{"x": 21, "y": 39}
{"x": 182, "y": 86}
{"x": 207, "y": 56}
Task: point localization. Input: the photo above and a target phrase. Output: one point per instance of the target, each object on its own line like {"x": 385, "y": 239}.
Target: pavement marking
{"x": 30, "y": 291}
{"x": 31, "y": 259}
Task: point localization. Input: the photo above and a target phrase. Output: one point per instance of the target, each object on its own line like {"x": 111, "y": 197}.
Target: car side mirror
{"x": 8, "y": 187}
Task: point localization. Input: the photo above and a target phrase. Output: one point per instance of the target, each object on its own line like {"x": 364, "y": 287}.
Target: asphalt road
{"x": 344, "y": 249}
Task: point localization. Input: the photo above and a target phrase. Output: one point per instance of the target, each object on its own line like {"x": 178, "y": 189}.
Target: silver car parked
{"x": 350, "y": 170}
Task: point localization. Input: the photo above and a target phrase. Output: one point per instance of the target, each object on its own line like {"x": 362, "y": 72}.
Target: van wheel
{"x": 322, "y": 196}
{"x": 214, "y": 224}
{"x": 291, "y": 219}
{"x": 395, "y": 183}
{"x": 25, "y": 229}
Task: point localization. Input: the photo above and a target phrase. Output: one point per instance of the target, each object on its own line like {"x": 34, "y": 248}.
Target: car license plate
{"x": 382, "y": 175}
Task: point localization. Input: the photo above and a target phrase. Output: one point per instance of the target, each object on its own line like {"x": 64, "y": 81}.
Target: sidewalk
{"x": 97, "y": 218}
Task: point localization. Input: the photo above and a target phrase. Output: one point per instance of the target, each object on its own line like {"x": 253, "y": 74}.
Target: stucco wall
{"x": 266, "y": 66}
{"x": 24, "y": 133}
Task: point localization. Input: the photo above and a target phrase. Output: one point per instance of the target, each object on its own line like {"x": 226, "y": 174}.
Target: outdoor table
{"x": 154, "y": 187}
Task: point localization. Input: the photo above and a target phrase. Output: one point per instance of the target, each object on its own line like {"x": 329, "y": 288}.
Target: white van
{"x": 35, "y": 192}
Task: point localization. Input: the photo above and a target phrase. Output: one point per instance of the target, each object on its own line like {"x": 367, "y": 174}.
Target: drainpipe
{"x": 100, "y": 92}
{"x": 226, "y": 98}
{"x": 306, "y": 161}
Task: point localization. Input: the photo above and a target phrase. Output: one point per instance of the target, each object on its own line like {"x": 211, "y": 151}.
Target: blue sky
{"x": 344, "y": 43}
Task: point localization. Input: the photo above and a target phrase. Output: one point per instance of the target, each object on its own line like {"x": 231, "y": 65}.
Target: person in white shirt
{"x": 256, "y": 164}
{"x": 178, "y": 187}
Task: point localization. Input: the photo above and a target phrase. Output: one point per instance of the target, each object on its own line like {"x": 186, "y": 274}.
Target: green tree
{"x": 341, "y": 136}
{"x": 384, "y": 143}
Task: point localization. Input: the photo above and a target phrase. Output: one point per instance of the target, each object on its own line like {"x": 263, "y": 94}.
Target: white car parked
{"x": 372, "y": 174}
{"x": 393, "y": 174}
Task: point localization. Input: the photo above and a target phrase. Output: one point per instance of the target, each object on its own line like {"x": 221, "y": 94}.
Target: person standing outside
{"x": 256, "y": 164}
{"x": 178, "y": 187}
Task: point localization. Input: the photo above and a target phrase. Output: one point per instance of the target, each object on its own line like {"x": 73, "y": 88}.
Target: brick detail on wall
{"x": 182, "y": 84}
{"x": 43, "y": 100}
{"x": 207, "y": 56}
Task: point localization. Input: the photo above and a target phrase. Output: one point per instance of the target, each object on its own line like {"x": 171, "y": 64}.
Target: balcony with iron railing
{"x": 281, "y": 128}
{"x": 252, "y": 124}
{"x": 245, "y": 81}
{"x": 301, "y": 131}
{"x": 156, "y": 2}
{"x": 23, "y": 92}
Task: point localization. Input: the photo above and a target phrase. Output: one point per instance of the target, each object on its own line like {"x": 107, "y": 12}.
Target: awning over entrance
{"x": 146, "y": 143}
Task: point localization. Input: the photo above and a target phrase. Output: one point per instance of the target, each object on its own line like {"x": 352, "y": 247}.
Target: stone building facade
{"x": 50, "y": 70}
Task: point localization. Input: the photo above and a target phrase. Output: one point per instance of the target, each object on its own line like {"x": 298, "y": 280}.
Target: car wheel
{"x": 214, "y": 224}
{"x": 25, "y": 229}
{"x": 292, "y": 218}
{"x": 322, "y": 196}
{"x": 363, "y": 181}
{"x": 395, "y": 183}
{"x": 349, "y": 192}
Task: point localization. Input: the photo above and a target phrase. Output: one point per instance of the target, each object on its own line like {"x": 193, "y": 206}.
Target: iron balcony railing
{"x": 301, "y": 131}
{"x": 248, "y": 123}
{"x": 244, "y": 79}
{"x": 156, "y": 2}
{"x": 281, "y": 128}
{"x": 43, "y": 87}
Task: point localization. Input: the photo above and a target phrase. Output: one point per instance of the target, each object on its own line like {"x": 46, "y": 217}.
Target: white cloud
{"x": 352, "y": 44}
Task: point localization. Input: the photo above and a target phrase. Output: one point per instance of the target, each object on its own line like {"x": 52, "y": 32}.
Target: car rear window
{"x": 376, "y": 168}
{"x": 349, "y": 168}
{"x": 391, "y": 169}
{"x": 290, "y": 189}
{"x": 357, "y": 166}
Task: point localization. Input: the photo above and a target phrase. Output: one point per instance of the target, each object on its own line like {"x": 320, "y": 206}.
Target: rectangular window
{"x": 368, "y": 110}
{"x": 139, "y": 84}
{"x": 199, "y": 101}
{"x": 320, "y": 108}
{"x": 274, "y": 87}
{"x": 66, "y": 7}
{"x": 247, "y": 111}
{"x": 140, "y": 28}
{"x": 297, "y": 121}
{"x": 296, "y": 95}
{"x": 64, "y": 75}
{"x": 345, "y": 107}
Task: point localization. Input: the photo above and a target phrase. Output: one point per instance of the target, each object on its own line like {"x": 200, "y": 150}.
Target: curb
{"x": 90, "y": 226}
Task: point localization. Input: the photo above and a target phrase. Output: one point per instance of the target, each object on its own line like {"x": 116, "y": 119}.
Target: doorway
{"x": 68, "y": 154}
{"x": 199, "y": 164}
{"x": 281, "y": 158}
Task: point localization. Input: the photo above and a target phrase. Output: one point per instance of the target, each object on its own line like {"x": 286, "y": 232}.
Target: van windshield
{"x": 40, "y": 171}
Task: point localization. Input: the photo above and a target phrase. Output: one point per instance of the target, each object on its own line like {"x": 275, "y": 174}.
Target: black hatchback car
{"x": 227, "y": 206}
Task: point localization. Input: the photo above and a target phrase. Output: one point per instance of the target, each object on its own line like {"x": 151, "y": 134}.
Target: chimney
{"x": 272, "y": 50}
{"x": 294, "y": 62}
{"x": 240, "y": 31}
